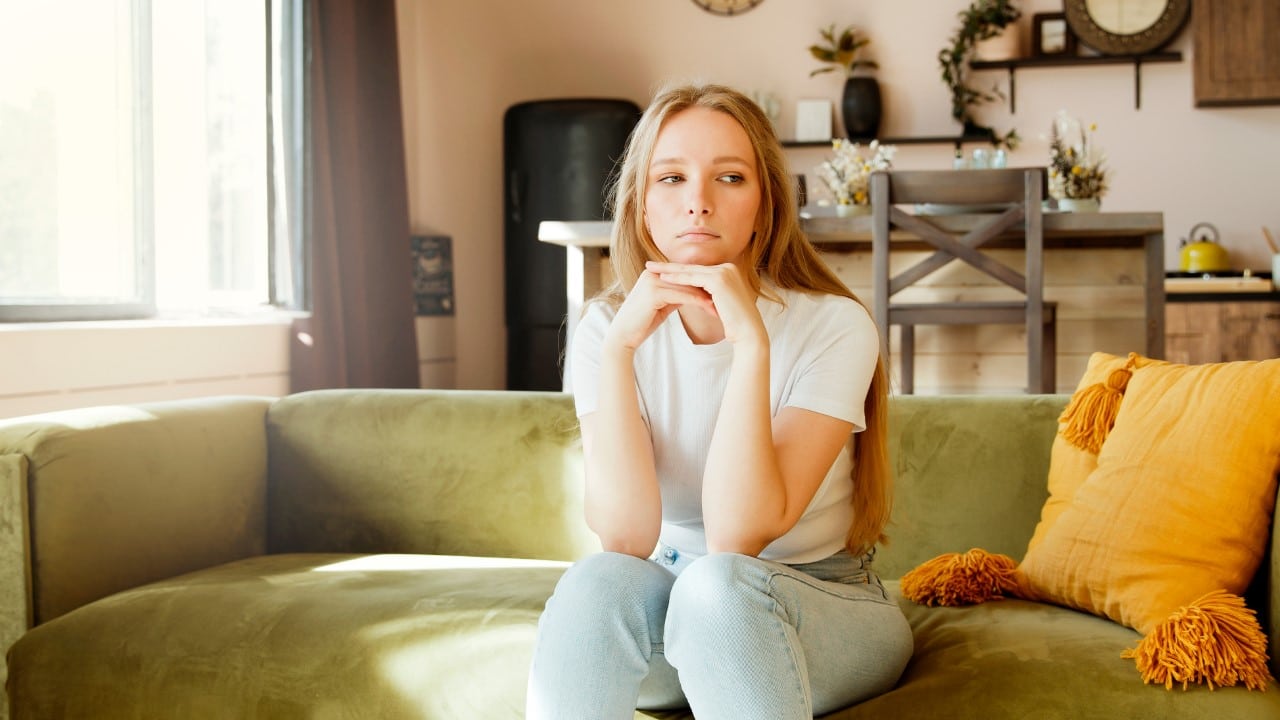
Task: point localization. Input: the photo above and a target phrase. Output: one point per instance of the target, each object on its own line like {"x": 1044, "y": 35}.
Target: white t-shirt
{"x": 823, "y": 351}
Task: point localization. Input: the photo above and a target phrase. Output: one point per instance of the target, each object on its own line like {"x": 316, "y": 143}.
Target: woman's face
{"x": 703, "y": 190}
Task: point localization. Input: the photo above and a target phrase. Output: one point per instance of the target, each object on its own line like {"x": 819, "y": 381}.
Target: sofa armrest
{"x": 1269, "y": 578}
{"x": 120, "y": 496}
{"x": 969, "y": 471}
{"x": 447, "y": 472}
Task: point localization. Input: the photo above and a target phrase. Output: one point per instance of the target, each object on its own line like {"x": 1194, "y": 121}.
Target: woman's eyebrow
{"x": 721, "y": 160}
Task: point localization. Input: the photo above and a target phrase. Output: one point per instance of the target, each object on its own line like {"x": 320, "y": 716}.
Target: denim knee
{"x": 609, "y": 579}
{"x": 607, "y": 587}
{"x": 712, "y": 593}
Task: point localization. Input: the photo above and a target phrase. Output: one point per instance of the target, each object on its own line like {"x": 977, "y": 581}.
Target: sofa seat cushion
{"x": 423, "y": 636}
{"x": 296, "y": 636}
{"x": 1021, "y": 659}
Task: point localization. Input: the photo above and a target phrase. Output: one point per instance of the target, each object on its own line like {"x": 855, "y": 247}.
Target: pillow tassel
{"x": 1215, "y": 640}
{"x": 1091, "y": 413}
{"x": 960, "y": 579}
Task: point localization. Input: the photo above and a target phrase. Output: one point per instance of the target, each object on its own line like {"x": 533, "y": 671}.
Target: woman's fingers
{"x": 731, "y": 298}
{"x": 721, "y": 282}
{"x": 699, "y": 275}
{"x": 649, "y": 303}
{"x": 715, "y": 279}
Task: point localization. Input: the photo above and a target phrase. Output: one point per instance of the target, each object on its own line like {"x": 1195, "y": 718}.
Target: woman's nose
{"x": 698, "y": 201}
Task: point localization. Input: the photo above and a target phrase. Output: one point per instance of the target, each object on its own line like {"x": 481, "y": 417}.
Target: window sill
{"x": 216, "y": 318}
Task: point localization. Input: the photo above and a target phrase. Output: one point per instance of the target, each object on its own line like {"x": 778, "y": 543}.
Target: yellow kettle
{"x": 1203, "y": 254}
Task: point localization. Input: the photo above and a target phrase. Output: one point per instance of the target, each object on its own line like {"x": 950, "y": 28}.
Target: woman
{"x": 732, "y": 403}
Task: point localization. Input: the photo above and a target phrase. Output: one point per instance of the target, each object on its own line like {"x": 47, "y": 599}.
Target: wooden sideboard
{"x": 1223, "y": 327}
{"x": 1120, "y": 309}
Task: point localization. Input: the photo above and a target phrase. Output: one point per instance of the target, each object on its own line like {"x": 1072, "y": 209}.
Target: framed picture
{"x": 1051, "y": 35}
{"x": 813, "y": 120}
{"x": 432, "y": 274}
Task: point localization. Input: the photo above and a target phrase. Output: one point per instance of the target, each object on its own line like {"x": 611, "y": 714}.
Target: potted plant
{"x": 860, "y": 103}
{"x": 982, "y": 20}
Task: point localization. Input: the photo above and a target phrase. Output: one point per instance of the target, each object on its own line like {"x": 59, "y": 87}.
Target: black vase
{"x": 860, "y": 108}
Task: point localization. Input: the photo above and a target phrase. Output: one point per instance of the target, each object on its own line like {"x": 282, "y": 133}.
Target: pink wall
{"x": 466, "y": 61}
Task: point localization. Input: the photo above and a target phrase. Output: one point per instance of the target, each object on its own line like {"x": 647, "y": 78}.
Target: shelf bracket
{"x": 1137, "y": 60}
{"x": 1137, "y": 83}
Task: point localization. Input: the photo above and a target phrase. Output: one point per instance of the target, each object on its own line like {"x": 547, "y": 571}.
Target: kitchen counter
{"x": 1220, "y": 287}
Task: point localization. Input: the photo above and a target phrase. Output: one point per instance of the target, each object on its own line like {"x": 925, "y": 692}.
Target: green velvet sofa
{"x": 385, "y": 554}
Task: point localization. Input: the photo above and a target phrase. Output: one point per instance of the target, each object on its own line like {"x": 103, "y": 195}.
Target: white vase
{"x": 852, "y": 210}
{"x": 1079, "y": 205}
{"x": 1005, "y": 46}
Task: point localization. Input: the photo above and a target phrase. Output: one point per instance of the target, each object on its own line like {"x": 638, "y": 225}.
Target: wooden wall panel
{"x": 1100, "y": 308}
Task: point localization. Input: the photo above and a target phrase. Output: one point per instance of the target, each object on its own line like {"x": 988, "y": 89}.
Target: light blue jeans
{"x": 727, "y": 635}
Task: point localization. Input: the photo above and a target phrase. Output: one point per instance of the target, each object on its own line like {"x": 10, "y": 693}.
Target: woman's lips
{"x": 698, "y": 233}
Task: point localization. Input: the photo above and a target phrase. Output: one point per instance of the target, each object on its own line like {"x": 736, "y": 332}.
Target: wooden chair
{"x": 1011, "y": 202}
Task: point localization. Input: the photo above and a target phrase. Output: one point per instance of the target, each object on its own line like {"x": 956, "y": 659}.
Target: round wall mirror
{"x": 1126, "y": 27}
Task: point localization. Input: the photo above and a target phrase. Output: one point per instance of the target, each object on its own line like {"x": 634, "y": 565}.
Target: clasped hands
{"x": 719, "y": 291}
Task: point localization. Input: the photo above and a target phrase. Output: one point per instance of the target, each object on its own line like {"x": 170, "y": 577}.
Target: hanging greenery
{"x": 982, "y": 20}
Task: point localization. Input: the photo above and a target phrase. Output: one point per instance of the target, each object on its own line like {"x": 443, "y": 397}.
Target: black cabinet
{"x": 558, "y": 156}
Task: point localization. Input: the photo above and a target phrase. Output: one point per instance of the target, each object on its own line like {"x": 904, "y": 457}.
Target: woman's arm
{"x": 623, "y": 505}
{"x": 762, "y": 472}
{"x": 623, "y": 502}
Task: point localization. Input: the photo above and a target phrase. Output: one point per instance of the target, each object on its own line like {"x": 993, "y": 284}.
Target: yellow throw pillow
{"x": 1162, "y": 528}
{"x": 1084, "y": 426}
{"x": 1177, "y": 511}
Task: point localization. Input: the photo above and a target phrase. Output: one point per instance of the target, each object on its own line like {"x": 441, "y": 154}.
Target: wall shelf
{"x": 956, "y": 140}
{"x": 1077, "y": 60}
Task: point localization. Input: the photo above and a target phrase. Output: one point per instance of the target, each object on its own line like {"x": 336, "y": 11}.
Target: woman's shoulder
{"x": 593, "y": 323}
{"x": 598, "y": 311}
{"x": 823, "y": 306}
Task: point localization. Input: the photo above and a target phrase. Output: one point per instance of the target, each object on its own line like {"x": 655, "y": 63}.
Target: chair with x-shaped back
{"x": 975, "y": 207}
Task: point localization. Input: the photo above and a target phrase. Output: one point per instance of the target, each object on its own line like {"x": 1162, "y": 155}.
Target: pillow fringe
{"x": 955, "y": 579}
{"x": 1092, "y": 411}
{"x": 1216, "y": 640}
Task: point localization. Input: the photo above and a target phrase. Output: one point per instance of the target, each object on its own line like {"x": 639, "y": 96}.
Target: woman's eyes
{"x": 731, "y": 178}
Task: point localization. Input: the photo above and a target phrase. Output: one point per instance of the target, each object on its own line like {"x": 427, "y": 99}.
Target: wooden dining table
{"x": 587, "y": 243}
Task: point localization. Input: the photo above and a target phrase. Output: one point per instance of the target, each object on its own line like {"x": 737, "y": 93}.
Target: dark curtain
{"x": 360, "y": 332}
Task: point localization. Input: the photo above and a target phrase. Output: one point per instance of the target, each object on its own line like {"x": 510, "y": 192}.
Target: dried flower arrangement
{"x": 848, "y": 172}
{"x": 1076, "y": 165}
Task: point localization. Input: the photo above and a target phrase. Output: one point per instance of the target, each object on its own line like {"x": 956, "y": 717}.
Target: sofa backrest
{"x": 969, "y": 471}
{"x": 500, "y": 473}
{"x": 448, "y": 472}
{"x": 108, "y": 498}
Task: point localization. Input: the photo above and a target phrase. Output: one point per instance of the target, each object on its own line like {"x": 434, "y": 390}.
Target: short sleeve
{"x": 583, "y": 371}
{"x": 834, "y": 372}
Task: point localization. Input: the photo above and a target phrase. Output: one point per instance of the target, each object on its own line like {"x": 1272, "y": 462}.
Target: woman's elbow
{"x": 628, "y": 541}
{"x": 635, "y": 549}
{"x": 742, "y": 544}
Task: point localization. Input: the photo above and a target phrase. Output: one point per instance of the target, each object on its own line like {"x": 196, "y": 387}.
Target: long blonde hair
{"x": 779, "y": 251}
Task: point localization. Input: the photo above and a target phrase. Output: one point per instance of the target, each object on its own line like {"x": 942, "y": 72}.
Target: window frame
{"x": 288, "y": 162}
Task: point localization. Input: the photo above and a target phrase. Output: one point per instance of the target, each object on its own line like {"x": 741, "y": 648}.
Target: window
{"x": 145, "y": 165}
